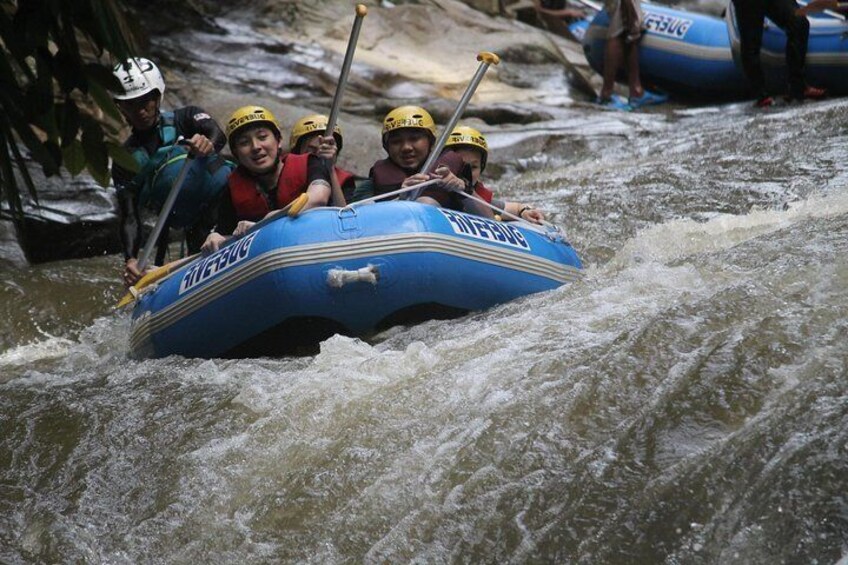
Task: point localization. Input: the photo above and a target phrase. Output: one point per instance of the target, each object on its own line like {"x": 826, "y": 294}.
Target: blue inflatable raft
{"x": 353, "y": 271}
{"x": 827, "y": 52}
{"x": 683, "y": 53}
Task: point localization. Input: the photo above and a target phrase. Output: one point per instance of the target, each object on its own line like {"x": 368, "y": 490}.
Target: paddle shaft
{"x": 815, "y": 8}
{"x": 592, "y": 5}
{"x": 164, "y": 271}
{"x": 361, "y": 11}
{"x": 337, "y": 195}
{"x": 486, "y": 59}
{"x": 163, "y": 214}
{"x": 583, "y": 82}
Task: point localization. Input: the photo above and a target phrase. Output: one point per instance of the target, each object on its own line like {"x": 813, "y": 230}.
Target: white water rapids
{"x": 687, "y": 402}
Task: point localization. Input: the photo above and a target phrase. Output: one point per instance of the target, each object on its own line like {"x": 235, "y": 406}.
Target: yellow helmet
{"x": 315, "y": 123}
{"x": 464, "y": 136}
{"x": 250, "y": 115}
{"x": 414, "y": 117}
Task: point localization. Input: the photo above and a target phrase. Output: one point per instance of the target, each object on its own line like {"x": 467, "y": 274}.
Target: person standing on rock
{"x": 306, "y": 137}
{"x": 160, "y": 142}
{"x": 409, "y": 134}
{"x": 265, "y": 179}
{"x": 558, "y": 9}
{"x": 750, "y": 17}
{"x": 622, "y": 49}
{"x": 473, "y": 148}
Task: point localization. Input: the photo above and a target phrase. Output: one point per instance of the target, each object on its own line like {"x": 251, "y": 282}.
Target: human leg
{"x": 634, "y": 81}
{"x": 613, "y": 58}
{"x": 749, "y": 19}
{"x": 797, "y": 29}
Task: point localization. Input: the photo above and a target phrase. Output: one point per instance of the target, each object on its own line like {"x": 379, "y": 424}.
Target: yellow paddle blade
{"x": 293, "y": 209}
{"x": 153, "y": 276}
{"x": 145, "y": 281}
{"x": 127, "y": 299}
{"x": 297, "y": 205}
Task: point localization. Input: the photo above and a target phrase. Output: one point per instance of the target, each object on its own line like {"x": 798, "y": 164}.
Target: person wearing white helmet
{"x": 160, "y": 142}
{"x": 472, "y": 146}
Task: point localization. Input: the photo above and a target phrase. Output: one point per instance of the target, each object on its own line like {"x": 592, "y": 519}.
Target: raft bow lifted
{"x": 352, "y": 271}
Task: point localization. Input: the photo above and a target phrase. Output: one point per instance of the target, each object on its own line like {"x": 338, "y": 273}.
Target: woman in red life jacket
{"x": 265, "y": 180}
{"x": 409, "y": 134}
{"x": 470, "y": 144}
{"x": 306, "y": 136}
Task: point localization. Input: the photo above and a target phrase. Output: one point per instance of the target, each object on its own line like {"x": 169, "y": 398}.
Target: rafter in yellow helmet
{"x": 315, "y": 123}
{"x": 464, "y": 136}
{"x": 414, "y": 117}
{"x": 250, "y": 115}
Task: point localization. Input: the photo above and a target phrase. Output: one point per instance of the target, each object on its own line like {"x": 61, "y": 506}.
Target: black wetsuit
{"x": 749, "y": 17}
{"x": 188, "y": 121}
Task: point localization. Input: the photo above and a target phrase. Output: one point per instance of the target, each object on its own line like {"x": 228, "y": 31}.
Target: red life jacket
{"x": 343, "y": 176}
{"x": 250, "y": 203}
{"x": 483, "y": 192}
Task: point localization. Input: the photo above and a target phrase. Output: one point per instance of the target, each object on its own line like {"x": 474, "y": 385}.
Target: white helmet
{"x": 138, "y": 76}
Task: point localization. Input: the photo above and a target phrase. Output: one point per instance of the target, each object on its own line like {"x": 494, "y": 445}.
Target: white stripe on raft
{"x": 365, "y": 248}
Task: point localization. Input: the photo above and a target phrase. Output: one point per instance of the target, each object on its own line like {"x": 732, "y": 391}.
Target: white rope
{"x": 532, "y": 226}
{"x": 394, "y": 193}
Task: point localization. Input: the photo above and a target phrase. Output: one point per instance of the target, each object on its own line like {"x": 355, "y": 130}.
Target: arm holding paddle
{"x": 199, "y": 145}
{"x": 486, "y": 59}
{"x": 214, "y": 241}
{"x": 328, "y": 151}
{"x": 136, "y": 264}
{"x": 524, "y": 212}
{"x": 160, "y": 273}
{"x": 833, "y": 8}
{"x": 449, "y": 180}
{"x": 316, "y": 195}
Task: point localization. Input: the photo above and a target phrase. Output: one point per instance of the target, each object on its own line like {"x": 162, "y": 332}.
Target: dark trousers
{"x": 195, "y": 234}
{"x": 749, "y": 17}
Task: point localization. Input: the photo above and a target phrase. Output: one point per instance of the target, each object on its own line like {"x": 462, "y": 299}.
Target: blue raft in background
{"x": 683, "y": 53}
{"x": 353, "y": 271}
{"x": 827, "y": 52}
{"x": 696, "y": 56}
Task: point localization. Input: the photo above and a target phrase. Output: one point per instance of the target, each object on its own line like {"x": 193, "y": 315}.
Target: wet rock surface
{"x": 287, "y": 56}
{"x": 72, "y": 217}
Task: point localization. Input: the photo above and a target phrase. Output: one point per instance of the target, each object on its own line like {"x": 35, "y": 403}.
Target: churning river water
{"x": 686, "y": 402}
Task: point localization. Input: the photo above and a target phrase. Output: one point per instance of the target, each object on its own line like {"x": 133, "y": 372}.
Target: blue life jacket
{"x": 203, "y": 184}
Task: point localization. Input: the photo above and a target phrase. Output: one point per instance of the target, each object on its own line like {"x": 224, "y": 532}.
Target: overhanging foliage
{"x": 55, "y": 75}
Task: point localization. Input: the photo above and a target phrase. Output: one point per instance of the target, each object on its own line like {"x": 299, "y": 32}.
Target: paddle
{"x": 597, "y": 6}
{"x": 361, "y": 11}
{"x": 153, "y": 276}
{"x": 165, "y": 211}
{"x": 486, "y": 59}
{"x": 582, "y": 82}
{"x": 292, "y": 209}
{"x": 820, "y": 6}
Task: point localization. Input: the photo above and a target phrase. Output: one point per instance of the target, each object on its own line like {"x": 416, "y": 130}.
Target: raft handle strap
{"x": 337, "y": 278}
{"x": 552, "y": 231}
